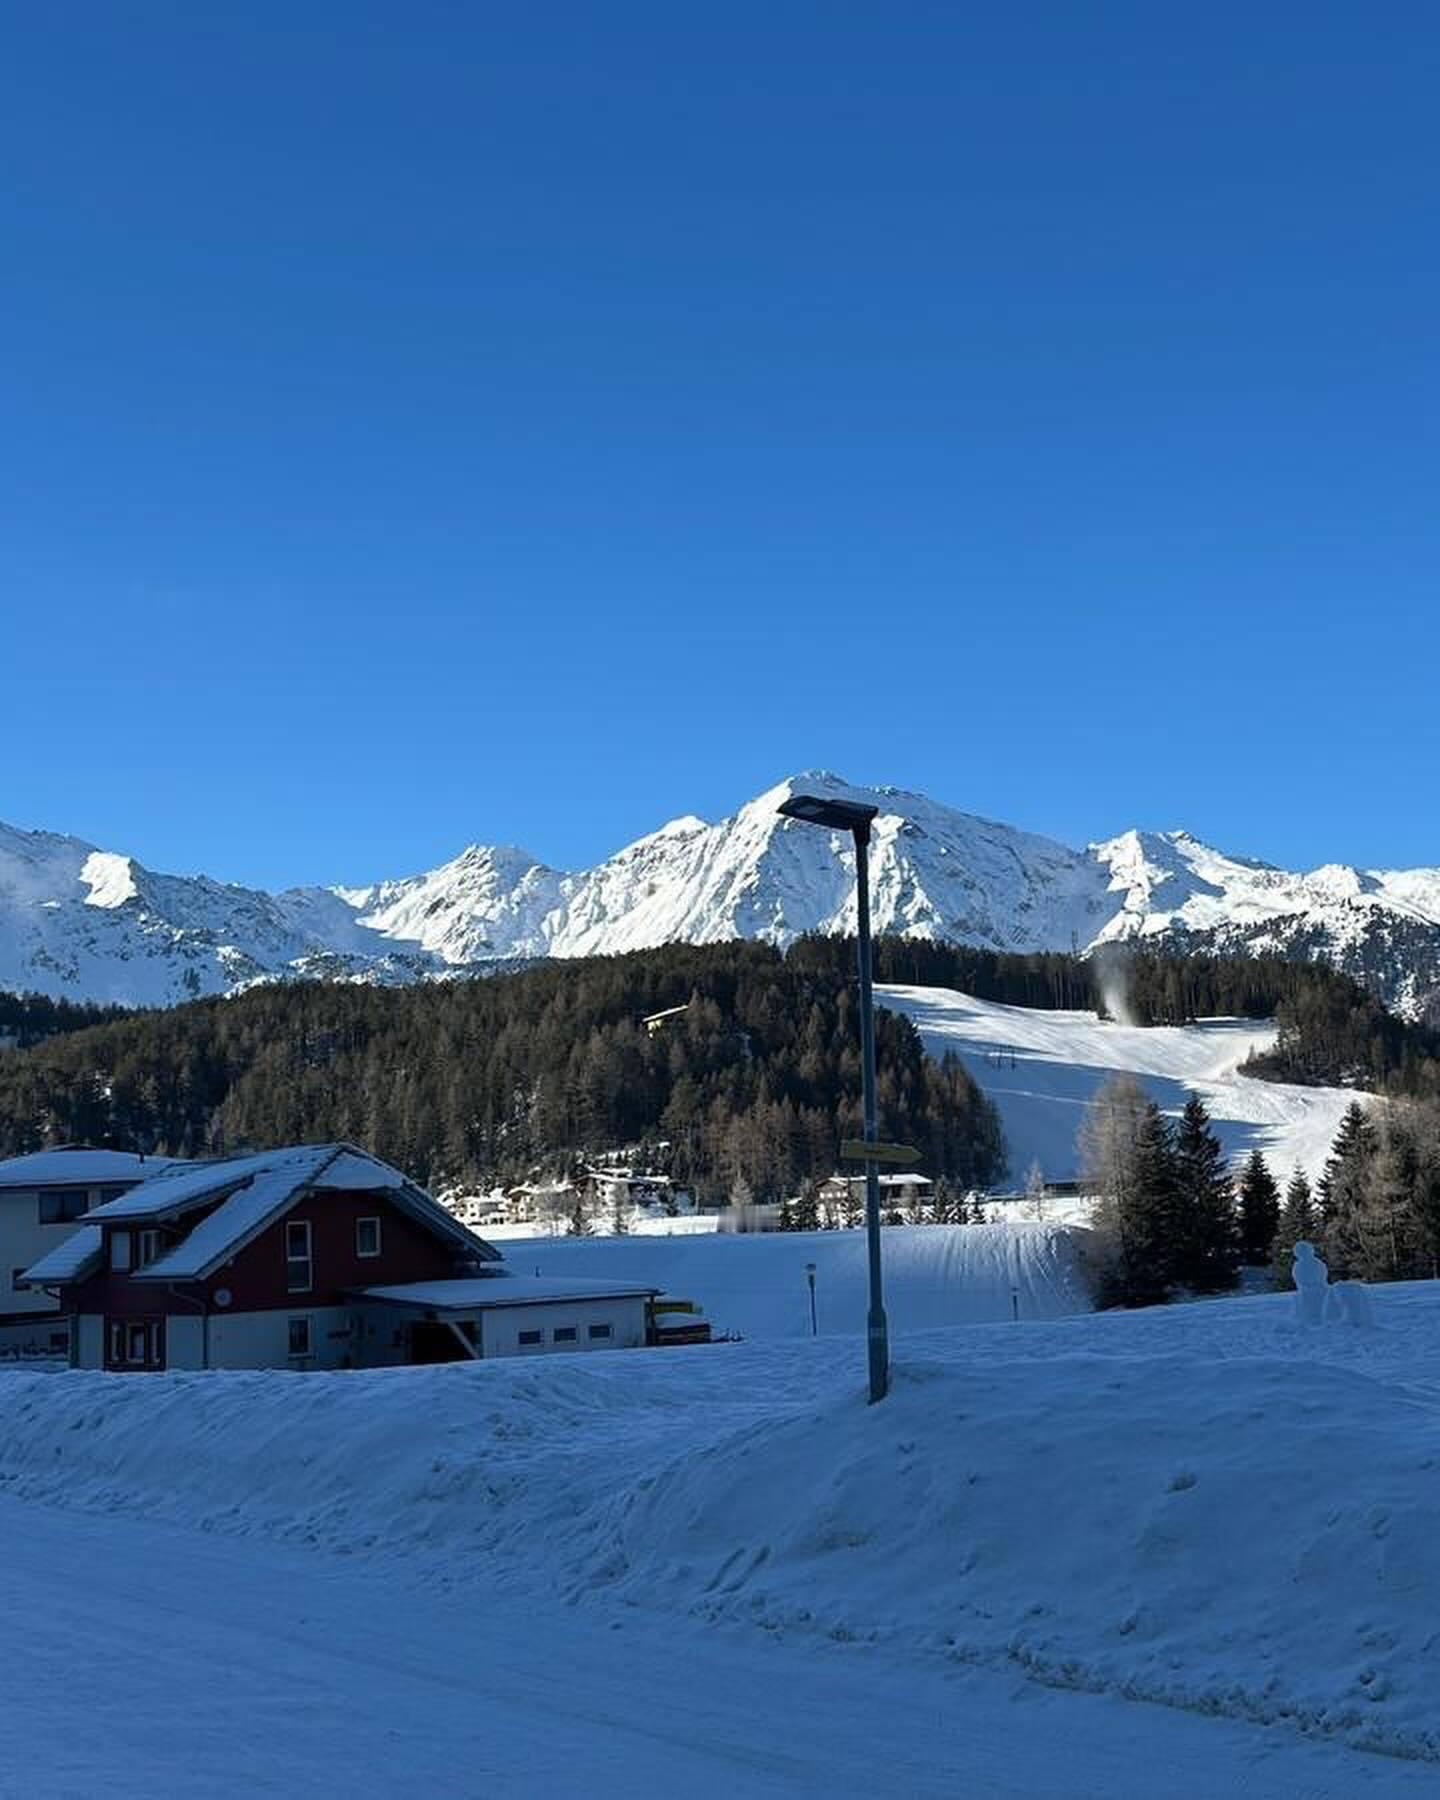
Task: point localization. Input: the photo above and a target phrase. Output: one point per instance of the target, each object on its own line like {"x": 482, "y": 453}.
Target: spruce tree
{"x": 805, "y": 1213}
{"x": 1259, "y": 1212}
{"x": 1343, "y": 1174}
{"x": 1206, "y": 1248}
{"x": 1128, "y": 1155}
{"x": 1342, "y": 1191}
{"x": 1156, "y": 1230}
{"x": 1298, "y": 1219}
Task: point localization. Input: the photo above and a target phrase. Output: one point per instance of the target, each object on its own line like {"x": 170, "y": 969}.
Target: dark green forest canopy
{"x": 28, "y": 1019}
{"x": 757, "y": 1080}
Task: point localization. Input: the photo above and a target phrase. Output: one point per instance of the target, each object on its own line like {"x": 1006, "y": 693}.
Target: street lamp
{"x": 855, "y": 817}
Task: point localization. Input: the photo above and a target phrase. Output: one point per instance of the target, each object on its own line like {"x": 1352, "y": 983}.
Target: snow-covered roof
{"x": 77, "y": 1165}
{"x": 251, "y": 1190}
{"x": 188, "y": 1185}
{"x": 485, "y": 1291}
{"x": 69, "y": 1261}
{"x": 232, "y": 1224}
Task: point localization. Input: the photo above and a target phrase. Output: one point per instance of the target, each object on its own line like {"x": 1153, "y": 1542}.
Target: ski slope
{"x": 1043, "y": 1068}
{"x": 755, "y": 1286}
{"x": 717, "y": 1567}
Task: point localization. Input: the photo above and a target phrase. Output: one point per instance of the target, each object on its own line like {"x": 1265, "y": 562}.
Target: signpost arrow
{"x": 858, "y": 1150}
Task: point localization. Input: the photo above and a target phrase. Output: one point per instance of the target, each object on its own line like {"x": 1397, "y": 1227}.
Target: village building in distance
{"x": 308, "y": 1257}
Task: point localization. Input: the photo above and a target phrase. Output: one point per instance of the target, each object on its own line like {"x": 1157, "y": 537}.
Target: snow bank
{"x": 756, "y": 1285}
{"x": 1043, "y": 1068}
{"x": 1202, "y": 1505}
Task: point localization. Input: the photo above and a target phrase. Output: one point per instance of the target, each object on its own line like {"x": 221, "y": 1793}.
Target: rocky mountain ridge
{"x": 80, "y": 922}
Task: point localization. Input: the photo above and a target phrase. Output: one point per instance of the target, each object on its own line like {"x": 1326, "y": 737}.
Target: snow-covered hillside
{"x": 1043, "y": 1068}
{"x": 86, "y": 923}
{"x": 756, "y": 1285}
{"x": 1206, "y": 1508}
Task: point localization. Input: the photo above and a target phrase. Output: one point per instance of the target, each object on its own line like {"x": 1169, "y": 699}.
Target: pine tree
{"x": 1128, "y": 1156}
{"x": 1298, "y": 1219}
{"x": 1205, "y": 1253}
{"x": 1259, "y": 1212}
{"x": 1343, "y": 1174}
{"x": 805, "y": 1213}
{"x": 1342, "y": 1191}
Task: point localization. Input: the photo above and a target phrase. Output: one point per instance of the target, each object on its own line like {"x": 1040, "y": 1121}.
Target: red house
{"x": 318, "y": 1256}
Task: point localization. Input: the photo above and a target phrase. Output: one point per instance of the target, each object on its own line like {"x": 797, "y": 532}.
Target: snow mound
{"x": 1202, "y": 1540}
{"x": 1043, "y": 1068}
{"x": 1203, "y": 1506}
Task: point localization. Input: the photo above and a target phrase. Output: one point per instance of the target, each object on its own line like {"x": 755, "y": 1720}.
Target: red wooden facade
{"x": 355, "y": 1240}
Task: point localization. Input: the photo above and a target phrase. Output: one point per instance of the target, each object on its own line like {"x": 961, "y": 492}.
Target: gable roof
{"x": 253, "y": 1191}
{"x": 72, "y": 1260}
{"x": 78, "y": 1165}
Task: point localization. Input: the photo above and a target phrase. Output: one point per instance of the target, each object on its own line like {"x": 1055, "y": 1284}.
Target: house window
{"x": 528, "y": 1339}
{"x": 120, "y": 1250}
{"x": 298, "y": 1268}
{"x": 367, "y": 1237}
{"x": 107, "y": 1194}
{"x": 299, "y": 1337}
{"x": 147, "y": 1247}
{"x": 17, "y": 1281}
{"x": 599, "y": 1331}
{"x": 60, "y": 1205}
{"x": 565, "y": 1334}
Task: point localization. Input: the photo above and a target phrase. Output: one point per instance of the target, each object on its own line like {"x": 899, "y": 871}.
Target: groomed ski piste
{"x": 756, "y": 1285}
{"x": 1191, "y": 1551}
{"x": 1042, "y": 1069}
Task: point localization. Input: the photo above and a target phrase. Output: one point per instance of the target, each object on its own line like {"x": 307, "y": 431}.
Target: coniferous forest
{"x": 756, "y": 1081}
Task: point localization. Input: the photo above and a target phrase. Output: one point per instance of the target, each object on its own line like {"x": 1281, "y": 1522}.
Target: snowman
{"x": 1312, "y": 1278}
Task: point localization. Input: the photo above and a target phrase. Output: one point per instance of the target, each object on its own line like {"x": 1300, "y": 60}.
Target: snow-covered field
{"x": 721, "y": 1568}
{"x": 756, "y": 1285}
{"x": 1043, "y": 1068}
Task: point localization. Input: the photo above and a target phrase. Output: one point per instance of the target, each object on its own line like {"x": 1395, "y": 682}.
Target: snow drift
{"x": 1205, "y": 1506}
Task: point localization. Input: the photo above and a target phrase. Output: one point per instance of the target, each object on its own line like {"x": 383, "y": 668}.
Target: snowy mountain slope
{"x": 1042, "y": 1069}
{"x": 80, "y": 922}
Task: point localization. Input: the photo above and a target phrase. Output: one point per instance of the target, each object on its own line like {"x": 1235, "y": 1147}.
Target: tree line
{"x": 1171, "y": 1218}
{"x": 29, "y": 1019}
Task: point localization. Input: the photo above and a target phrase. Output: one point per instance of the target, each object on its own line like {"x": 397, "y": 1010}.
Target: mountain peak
{"x": 84, "y": 923}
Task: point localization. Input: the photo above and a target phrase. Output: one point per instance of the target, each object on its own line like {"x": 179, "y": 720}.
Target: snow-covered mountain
{"x": 84, "y": 923}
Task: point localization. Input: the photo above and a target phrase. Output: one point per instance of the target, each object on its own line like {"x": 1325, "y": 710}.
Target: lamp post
{"x": 854, "y": 817}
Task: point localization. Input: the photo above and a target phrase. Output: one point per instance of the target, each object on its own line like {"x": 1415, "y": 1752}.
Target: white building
{"x": 42, "y": 1195}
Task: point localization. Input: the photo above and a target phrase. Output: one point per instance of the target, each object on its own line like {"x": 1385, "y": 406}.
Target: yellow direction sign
{"x": 857, "y": 1150}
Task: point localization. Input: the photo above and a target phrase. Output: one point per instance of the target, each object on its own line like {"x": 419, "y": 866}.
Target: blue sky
{"x": 450, "y": 423}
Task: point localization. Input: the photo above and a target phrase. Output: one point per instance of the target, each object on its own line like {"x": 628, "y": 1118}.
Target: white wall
{"x": 184, "y": 1342}
{"x": 89, "y": 1341}
{"x": 261, "y": 1340}
{"x": 501, "y": 1326}
{"x": 24, "y": 1240}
